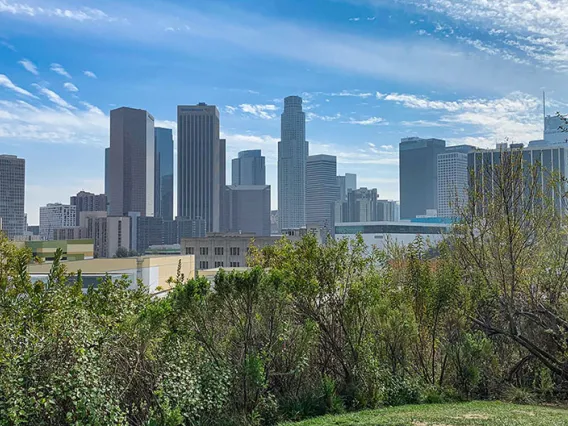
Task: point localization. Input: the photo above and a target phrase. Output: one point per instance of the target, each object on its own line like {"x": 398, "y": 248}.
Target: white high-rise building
{"x": 322, "y": 191}
{"x": 55, "y": 216}
{"x": 12, "y": 194}
{"x": 452, "y": 182}
{"x": 555, "y": 129}
{"x": 292, "y": 157}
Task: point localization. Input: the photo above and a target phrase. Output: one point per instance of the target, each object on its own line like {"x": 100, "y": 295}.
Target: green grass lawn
{"x": 471, "y": 413}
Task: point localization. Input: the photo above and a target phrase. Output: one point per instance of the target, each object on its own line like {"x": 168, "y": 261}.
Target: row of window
{"x": 219, "y": 251}
{"x": 204, "y": 264}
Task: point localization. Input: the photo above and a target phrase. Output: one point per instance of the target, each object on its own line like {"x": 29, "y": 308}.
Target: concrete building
{"x": 388, "y": 211}
{"x": 552, "y": 160}
{"x": 322, "y": 191}
{"x": 380, "y": 234}
{"x": 149, "y": 232}
{"x": 190, "y": 228}
{"x": 55, "y": 216}
{"x": 249, "y": 168}
{"x": 247, "y": 209}
{"x": 109, "y": 233}
{"x": 292, "y": 157}
{"x": 220, "y": 250}
{"x": 107, "y": 177}
{"x": 87, "y": 202}
{"x": 346, "y": 183}
{"x": 418, "y": 168}
{"x": 274, "y": 225}
{"x": 154, "y": 272}
{"x": 201, "y": 164}
{"x": 12, "y": 195}
{"x": 164, "y": 173}
{"x": 361, "y": 206}
{"x": 72, "y": 250}
{"x": 74, "y": 233}
{"x": 131, "y": 162}
{"x": 555, "y": 129}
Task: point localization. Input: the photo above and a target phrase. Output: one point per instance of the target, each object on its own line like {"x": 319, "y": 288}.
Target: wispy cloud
{"x": 8, "y": 45}
{"x": 82, "y": 14}
{"x": 351, "y": 93}
{"x": 90, "y": 74}
{"x": 372, "y": 121}
{"x": 59, "y": 70}
{"x": 310, "y": 116}
{"x": 355, "y": 19}
{"x": 70, "y": 87}
{"x": 53, "y": 97}
{"x": 230, "y": 109}
{"x": 29, "y": 66}
{"x": 7, "y": 83}
{"x": 266, "y": 112}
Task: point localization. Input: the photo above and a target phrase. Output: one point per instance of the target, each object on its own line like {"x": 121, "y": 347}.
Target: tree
{"x": 511, "y": 246}
{"x": 121, "y": 252}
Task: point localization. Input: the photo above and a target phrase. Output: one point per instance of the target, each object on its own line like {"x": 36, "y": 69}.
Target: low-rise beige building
{"x": 153, "y": 271}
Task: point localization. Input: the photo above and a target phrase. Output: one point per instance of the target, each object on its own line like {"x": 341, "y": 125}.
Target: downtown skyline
{"x": 354, "y": 112}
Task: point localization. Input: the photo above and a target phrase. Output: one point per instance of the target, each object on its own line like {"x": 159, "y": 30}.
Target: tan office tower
{"x": 201, "y": 164}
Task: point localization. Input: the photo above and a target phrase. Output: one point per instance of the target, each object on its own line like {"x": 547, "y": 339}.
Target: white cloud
{"x": 53, "y": 97}
{"x": 354, "y": 19}
{"x": 387, "y": 147}
{"x": 90, "y": 74}
{"x": 367, "y": 122}
{"x": 230, "y": 109}
{"x": 371, "y": 18}
{"x": 423, "y": 123}
{"x": 83, "y": 14}
{"x": 352, "y": 93}
{"x": 310, "y": 116}
{"x": 7, "y": 83}
{"x": 29, "y": 66}
{"x": 8, "y": 45}
{"x": 70, "y": 87}
{"x": 59, "y": 70}
{"x": 266, "y": 112}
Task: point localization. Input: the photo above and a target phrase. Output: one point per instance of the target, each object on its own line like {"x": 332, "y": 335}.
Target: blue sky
{"x": 370, "y": 72}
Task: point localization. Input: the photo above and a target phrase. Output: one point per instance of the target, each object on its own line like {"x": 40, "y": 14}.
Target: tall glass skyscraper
{"x": 201, "y": 164}
{"x": 249, "y": 168}
{"x": 292, "y": 157}
{"x": 164, "y": 173}
{"x": 131, "y": 162}
{"x": 322, "y": 190}
{"x": 418, "y": 159}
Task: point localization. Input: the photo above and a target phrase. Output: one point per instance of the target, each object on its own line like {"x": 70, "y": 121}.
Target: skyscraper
{"x": 12, "y": 194}
{"x": 107, "y": 177}
{"x": 249, "y": 168}
{"x": 247, "y": 209}
{"x": 418, "y": 168}
{"x": 346, "y": 183}
{"x": 292, "y": 157}
{"x": 131, "y": 161}
{"x": 201, "y": 164}
{"x": 88, "y": 202}
{"x": 322, "y": 190}
{"x": 361, "y": 206}
{"x": 453, "y": 179}
{"x": 164, "y": 171}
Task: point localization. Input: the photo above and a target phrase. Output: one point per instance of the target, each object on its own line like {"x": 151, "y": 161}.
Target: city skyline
{"x": 472, "y": 85}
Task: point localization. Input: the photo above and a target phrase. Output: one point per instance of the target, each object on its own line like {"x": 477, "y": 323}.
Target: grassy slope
{"x": 468, "y": 414}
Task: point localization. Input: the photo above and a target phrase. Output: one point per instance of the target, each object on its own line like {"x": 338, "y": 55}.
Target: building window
{"x": 235, "y": 251}
{"x": 218, "y": 264}
{"x": 204, "y": 251}
{"x": 219, "y": 251}
{"x": 204, "y": 264}
{"x": 190, "y": 250}
{"x": 234, "y": 264}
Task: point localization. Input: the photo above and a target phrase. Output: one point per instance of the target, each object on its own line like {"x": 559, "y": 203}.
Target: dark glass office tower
{"x": 164, "y": 173}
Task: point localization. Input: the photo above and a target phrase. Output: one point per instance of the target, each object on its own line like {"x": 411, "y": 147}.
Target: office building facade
{"x": 55, "y": 216}
{"x": 87, "y": 202}
{"x": 555, "y": 129}
{"x": 361, "y": 206}
{"x": 249, "y": 168}
{"x": 131, "y": 162}
{"x": 292, "y": 158}
{"x": 346, "y": 183}
{"x": 388, "y": 211}
{"x": 201, "y": 164}
{"x": 247, "y": 209}
{"x": 164, "y": 173}
{"x": 418, "y": 168}
{"x": 107, "y": 177}
{"x": 322, "y": 191}
{"x": 453, "y": 183}
{"x": 12, "y": 195}
{"x": 109, "y": 234}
